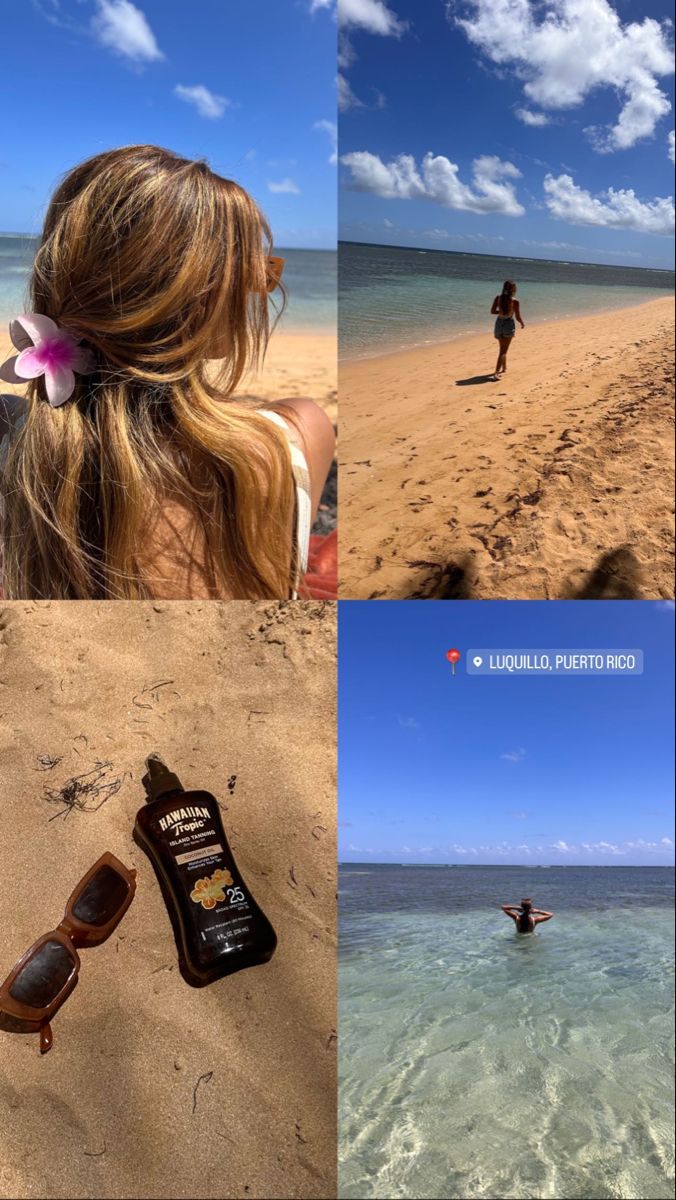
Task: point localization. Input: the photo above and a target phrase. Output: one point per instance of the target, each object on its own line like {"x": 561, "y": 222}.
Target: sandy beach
{"x": 303, "y": 364}
{"x": 297, "y": 364}
{"x": 555, "y": 482}
{"x": 153, "y": 1088}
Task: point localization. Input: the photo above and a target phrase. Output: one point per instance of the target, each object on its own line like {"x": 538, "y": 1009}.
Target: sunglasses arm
{"x": 46, "y": 1039}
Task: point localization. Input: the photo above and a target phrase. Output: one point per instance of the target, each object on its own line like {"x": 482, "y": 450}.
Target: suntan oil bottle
{"x": 217, "y": 924}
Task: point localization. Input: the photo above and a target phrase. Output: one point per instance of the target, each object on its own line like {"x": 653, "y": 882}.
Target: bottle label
{"x": 220, "y": 906}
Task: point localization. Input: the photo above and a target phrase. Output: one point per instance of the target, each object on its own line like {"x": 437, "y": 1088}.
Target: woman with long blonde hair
{"x": 130, "y": 469}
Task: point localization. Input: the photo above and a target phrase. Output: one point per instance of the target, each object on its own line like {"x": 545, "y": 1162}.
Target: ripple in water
{"x": 475, "y": 1063}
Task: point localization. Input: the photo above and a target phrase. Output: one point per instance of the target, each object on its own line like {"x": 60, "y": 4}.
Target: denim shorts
{"x": 505, "y": 327}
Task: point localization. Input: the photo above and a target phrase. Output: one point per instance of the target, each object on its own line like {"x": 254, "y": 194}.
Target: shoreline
{"x": 351, "y": 359}
{"x": 540, "y": 486}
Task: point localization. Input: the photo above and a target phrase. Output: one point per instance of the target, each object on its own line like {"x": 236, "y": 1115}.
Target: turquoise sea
{"x": 477, "y": 1063}
{"x": 393, "y": 298}
{"x": 309, "y": 277}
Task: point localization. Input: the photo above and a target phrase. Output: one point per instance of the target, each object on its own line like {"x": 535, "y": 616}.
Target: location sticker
{"x": 453, "y": 657}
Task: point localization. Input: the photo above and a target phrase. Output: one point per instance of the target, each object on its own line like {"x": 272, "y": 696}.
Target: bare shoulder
{"x": 314, "y": 427}
{"x": 315, "y": 432}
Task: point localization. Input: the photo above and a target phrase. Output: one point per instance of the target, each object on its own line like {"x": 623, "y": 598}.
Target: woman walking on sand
{"x": 506, "y": 310}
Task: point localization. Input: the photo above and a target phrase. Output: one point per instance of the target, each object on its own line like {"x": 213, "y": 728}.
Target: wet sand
{"x": 555, "y": 482}
{"x": 153, "y": 1088}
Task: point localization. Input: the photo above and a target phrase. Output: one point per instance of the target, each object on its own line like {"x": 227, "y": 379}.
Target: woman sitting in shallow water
{"x": 526, "y": 917}
{"x": 507, "y": 311}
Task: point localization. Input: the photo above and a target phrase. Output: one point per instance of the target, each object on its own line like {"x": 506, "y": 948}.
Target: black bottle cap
{"x": 159, "y": 780}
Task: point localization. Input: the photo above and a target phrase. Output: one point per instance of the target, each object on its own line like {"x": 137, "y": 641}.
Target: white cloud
{"x": 330, "y": 128}
{"x": 562, "y": 847}
{"x": 620, "y": 209}
{"x": 478, "y": 237}
{"x": 437, "y": 180}
{"x": 371, "y": 15}
{"x": 207, "y": 103}
{"x": 666, "y": 842}
{"x": 283, "y": 186}
{"x": 408, "y": 723}
{"x": 532, "y": 118}
{"x": 514, "y": 756}
{"x": 564, "y": 50}
{"x": 389, "y": 224}
{"x": 51, "y": 11}
{"x": 346, "y": 97}
{"x": 122, "y": 27}
{"x": 672, "y": 148}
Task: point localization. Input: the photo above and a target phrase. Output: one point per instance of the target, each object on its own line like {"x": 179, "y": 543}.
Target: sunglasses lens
{"x": 43, "y": 976}
{"x": 102, "y": 898}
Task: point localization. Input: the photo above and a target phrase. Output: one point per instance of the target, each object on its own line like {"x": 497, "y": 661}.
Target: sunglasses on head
{"x": 275, "y": 270}
{"x": 46, "y": 974}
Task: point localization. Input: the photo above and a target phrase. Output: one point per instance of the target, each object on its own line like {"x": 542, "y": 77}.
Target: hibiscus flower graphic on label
{"x": 209, "y": 891}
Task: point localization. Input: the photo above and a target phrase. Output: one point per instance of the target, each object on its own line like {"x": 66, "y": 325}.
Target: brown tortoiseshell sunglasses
{"x": 45, "y": 975}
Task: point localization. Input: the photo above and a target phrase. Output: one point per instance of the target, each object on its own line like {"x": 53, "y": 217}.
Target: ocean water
{"x": 394, "y": 298}
{"x": 309, "y": 277}
{"x": 478, "y": 1063}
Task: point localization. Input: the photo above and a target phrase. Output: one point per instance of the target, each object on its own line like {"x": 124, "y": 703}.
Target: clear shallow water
{"x": 393, "y": 298}
{"x": 309, "y": 277}
{"x": 474, "y": 1063}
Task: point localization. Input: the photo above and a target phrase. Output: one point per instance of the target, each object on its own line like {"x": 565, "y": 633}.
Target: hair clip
{"x": 47, "y": 350}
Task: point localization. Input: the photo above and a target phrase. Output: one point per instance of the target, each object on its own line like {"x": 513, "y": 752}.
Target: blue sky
{"x": 528, "y": 124}
{"x": 257, "y": 98}
{"x": 469, "y": 769}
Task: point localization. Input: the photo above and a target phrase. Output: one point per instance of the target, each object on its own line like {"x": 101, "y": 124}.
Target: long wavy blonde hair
{"x": 156, "y": 262}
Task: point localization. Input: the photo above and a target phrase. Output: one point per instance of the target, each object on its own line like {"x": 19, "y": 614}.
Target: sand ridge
{"x": 554, "y": 482}
{"x": 298, "y": 364}
{"x": 152, "y": 1088}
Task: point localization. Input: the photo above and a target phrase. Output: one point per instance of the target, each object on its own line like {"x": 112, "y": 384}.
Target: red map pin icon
{"x": 453, "y": 657}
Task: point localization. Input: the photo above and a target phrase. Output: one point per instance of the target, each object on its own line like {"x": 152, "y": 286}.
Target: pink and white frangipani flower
{"x": 46, "y": 350}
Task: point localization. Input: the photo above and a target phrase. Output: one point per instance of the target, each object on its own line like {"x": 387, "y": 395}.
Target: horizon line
{"x": 507, "y": 257}
{"x": 358, "y": 862}
{"x": 8, "y": 233}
